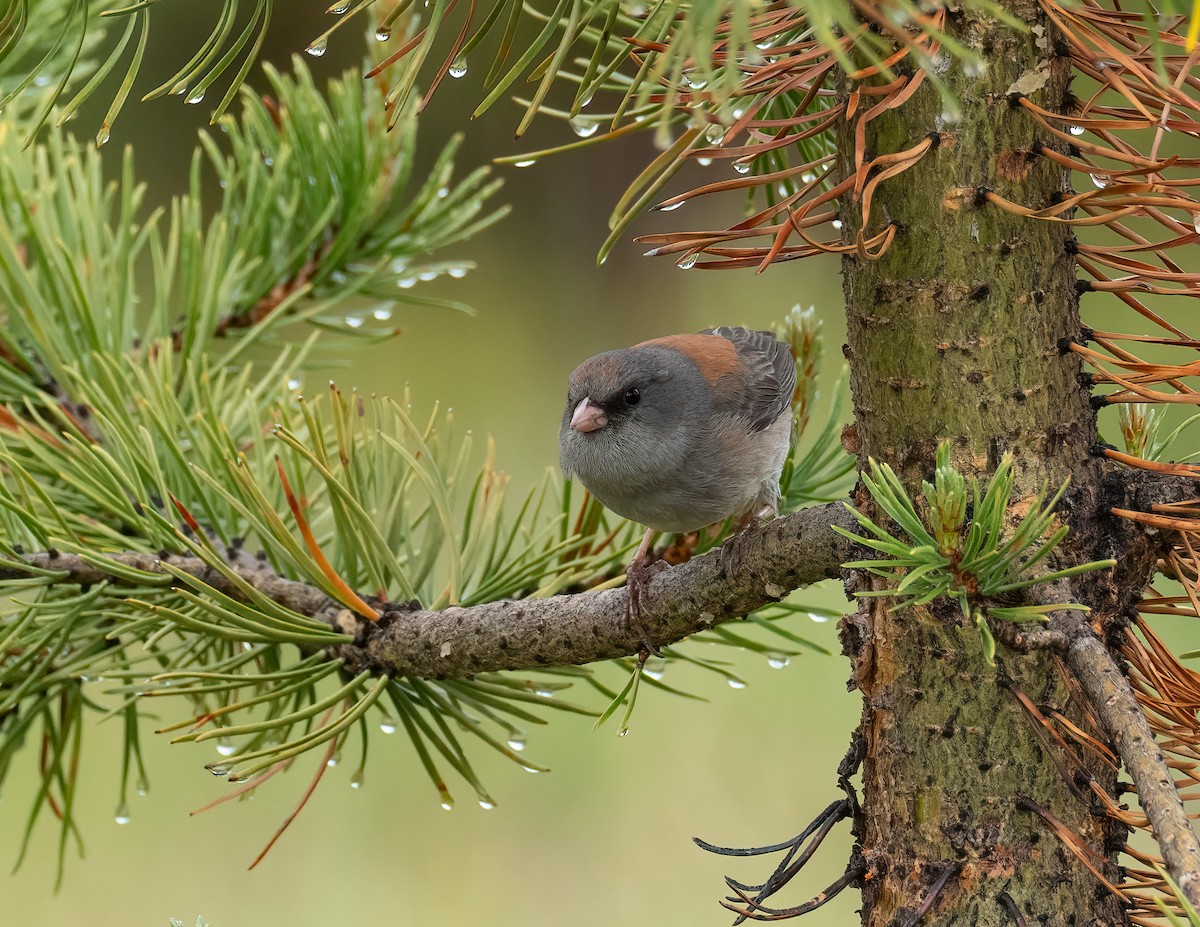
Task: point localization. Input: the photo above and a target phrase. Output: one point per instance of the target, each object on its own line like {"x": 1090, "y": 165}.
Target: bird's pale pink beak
{"x": 588, "y": 417}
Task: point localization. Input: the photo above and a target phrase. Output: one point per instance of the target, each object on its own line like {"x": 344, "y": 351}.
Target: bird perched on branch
{"x": 680, "y": 433}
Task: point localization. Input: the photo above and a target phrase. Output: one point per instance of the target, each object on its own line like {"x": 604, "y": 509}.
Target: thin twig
{"x": 1010, "y": 907}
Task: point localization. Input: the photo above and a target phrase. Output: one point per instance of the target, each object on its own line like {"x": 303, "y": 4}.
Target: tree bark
{"x": 957, "y": 334}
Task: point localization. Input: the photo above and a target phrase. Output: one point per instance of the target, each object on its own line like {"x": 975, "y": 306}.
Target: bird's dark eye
{"x": 633, "y": 396}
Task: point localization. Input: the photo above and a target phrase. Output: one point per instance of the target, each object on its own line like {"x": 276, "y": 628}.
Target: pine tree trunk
{"x": 957, "y": 334}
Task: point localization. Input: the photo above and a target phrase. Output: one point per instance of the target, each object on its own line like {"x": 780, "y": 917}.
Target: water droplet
{"x": 382, "y": 34}
{"x": 586, "y": 99}
{"x": 807, "y": 177}
{"x": 623, "y": 732}
{"x": 354, "y": 321}
{"x": 196, "y": 96}
{"x": 837, "y": 223}
{"x": 765, "y": 44}
{"x": 530, "y": 769}
{"x": 294, "y": 383}
{"x": 486, "y": 805}
{"x": 1196, "y": 222}
{"x": 458, "y": 68}
{"x": 544, "y": 693}
{"x": 226, "y": 747}
{"x": 219, "y": 769}
{"x": 1076, "y": 130}
{"x": 529, "y": 162}
{"x": 382, "y": 315}
{"x": 447, "y": 805}
{"x": 777, "y": 660}
{"x": 583, "y": 127}
{"x": 268, "y": 160}
{"x": 333, "y": 760}
{"x": 739, "y": 113}
{"x": 318, "y": 48}
{"x": 517, "y": 741}
{"x": 388, "y": 725}
{"x": 102, "y": 136}
{"x": 688, "y": 261}
{"x": 741, "y": 168}
{"x": 951, "y": 116}
{"x": 457, "y": 272}
{"x": 339, "y": 8}
{"x": 42, "y": 80}
{"x": 671, "y": 207}
{"x": 122, "y": 814}
{"x": 406, "y": 283}
{"x": 143, "y": 787}
{"x": 819, "y": 619}
{"x": 356, "y": 781}
{"x": 1100, "y": 180}
{"x": 696, "y": 82}
{"x": 704, "y": 162}
{"x": 714, "y": 133}
{"x": 735, "y": 683}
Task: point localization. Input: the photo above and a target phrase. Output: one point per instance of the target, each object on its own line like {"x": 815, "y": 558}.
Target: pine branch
{"x": 1108, "y": 692}
{"x": 1125, "y": 723}
{"x": 751, "y": 570}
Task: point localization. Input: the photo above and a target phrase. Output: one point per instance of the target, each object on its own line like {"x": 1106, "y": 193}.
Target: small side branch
{"x": 1123, "y": 720}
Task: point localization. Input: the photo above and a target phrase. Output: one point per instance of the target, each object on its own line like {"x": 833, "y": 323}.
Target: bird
{"x": 679, "y": 433}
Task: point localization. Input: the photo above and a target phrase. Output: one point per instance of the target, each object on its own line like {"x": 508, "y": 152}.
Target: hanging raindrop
{"x": 687, "y": 262}
{"x": 226, "y": 747}
{"x": 777, "y": 660}
{"x": 1100, "y": 180}
{"x": 388, "y": 725}
{"x": 735, "y": 683}
{"x": 486, "y": 805}
{"x": 741, "y": 168}
{"x": 1076, "y": 130}
{"x": 383, "y": 33}
{"x": 318, "y": 48}
{"x": 583, "y": 127}
{"x": 356, "y": 780}
{"x": 196, "y": 96}
{"x": 122, "y": 816}
{"x": 516, "y": 740}
{"x": 458, "y": 68}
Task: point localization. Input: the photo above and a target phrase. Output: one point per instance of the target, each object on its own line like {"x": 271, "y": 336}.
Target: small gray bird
{"x": 681, "y": 432}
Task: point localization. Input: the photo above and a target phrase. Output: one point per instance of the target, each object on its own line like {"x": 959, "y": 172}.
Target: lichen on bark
{"x": 956, "y": 333}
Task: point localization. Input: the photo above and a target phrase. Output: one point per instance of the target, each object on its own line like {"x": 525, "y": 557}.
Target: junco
{"x": 681, "y": 432}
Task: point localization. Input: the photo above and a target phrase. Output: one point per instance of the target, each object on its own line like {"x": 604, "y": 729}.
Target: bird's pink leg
{"x": 636, "y": 575}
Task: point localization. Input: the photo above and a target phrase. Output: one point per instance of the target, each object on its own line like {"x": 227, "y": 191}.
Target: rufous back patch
{"x": 714, "y": 355}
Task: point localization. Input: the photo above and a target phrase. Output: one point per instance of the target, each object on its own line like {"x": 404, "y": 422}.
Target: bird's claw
{"x": 636, "y": 577}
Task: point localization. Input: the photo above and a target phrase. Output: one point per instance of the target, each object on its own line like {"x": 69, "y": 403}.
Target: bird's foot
{"x": 732, "y": 550}
{"x": 637, "y": 578}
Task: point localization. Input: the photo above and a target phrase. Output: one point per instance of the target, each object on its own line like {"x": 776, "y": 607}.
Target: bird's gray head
{"x": 628, "y": 414}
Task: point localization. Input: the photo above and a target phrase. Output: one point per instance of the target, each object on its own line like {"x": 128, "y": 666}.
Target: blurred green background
{"x": 605, "y": 838}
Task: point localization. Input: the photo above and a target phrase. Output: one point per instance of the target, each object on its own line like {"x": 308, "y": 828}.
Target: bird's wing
{"x": 769, "y": 374}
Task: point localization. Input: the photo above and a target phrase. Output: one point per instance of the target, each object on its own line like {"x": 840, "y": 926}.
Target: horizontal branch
{"x": 752, "y": 569}
{"x": 758, "y": 566}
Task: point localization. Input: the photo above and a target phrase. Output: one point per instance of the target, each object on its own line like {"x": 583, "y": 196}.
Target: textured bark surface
{"x": 956, "y": 334}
